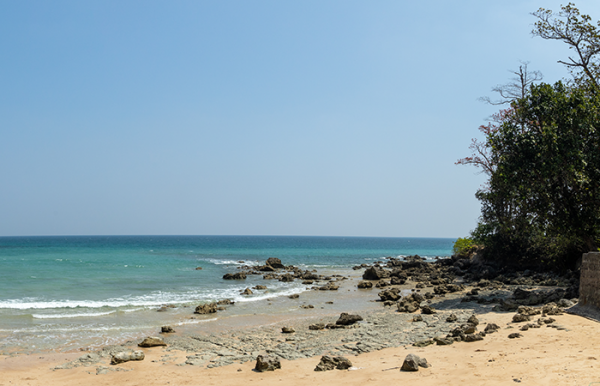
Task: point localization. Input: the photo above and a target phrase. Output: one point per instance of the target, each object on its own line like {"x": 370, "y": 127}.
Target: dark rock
{"x": 473, "y": 320}
{"x": 167, "y": 329}
{"x": 286, "y": 278}
{"x": 235, "y": 276}
{"x": 208, "y": 308}
{"x": 267, "y": 363}
{"x": 428, "y": 310}
{"x": 412, "y": 362}
{"x": 152, "y": 341}
{"x": 247, "y": 291}
{"x": 225, "y": 302}
{"x": 329, "y": 287}
{"x": 375, "y": 273}
{"x": 260, "y": 287}
{"x": 452, "y": 318}
{"x": 274, "y": 262}
{"x": 328, "y": 363}
{"x": 307, "y": 306}
{"x": 198, "y": 268}
{"x": 392, "y": 294}
{"x": 307, "y": 282}
{"x": 515, "y": 335}
{"x": 443, "y": 341}
{"x": 317, "y": 326}
{"x": 473, "y": 337}
{"x": 491, "y": 328}
{"x": 518, "y": 318}
{"x": 287, "y": 330}
{"x": 397, "y": 280}
{"x": 294, "y": 296}
{"x": 423, "y": 343}
{"x": 347, "y": 319}
{"x": 365, "y": 284}
{"x": 417, "y": 318}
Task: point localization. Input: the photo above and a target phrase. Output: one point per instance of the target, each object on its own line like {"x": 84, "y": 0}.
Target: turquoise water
{"x": 69, "y": 288}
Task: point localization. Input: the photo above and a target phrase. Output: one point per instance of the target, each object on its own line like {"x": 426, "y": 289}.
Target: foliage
{"x": 541, "y": 204}
{"x": 463, "y": 246}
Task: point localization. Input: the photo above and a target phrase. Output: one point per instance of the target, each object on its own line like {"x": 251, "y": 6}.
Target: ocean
{"x": 81, "y": 292}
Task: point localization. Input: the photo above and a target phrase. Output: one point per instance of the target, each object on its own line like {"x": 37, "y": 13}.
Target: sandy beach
{"x": 564, "y": 352}
{"x": 543, "y": 356}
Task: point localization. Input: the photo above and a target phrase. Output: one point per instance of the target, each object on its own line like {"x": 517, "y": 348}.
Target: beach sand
{"x": 543, "y": 356}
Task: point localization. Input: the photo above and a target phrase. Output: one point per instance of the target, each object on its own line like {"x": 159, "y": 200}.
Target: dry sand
{"x": 543, "y": 356}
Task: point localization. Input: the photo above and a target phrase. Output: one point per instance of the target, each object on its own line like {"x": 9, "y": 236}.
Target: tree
{"x": 577, "y": 31}
{"x": 518, "y": 86}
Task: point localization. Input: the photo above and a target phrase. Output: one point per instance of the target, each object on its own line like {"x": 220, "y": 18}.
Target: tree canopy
{"x": 541, "y": 204}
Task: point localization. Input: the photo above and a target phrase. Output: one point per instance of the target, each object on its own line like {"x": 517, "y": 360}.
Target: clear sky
{"x": 333, "y": 118}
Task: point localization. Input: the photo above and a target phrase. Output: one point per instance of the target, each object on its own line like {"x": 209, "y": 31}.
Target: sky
{"x": 316, "y": 118}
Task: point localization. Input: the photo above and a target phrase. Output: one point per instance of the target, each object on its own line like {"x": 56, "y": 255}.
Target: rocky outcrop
{"x": 330, "y": 363}
{"x": 392, "y": 294}
{"x": 267, "y": 363}
{"x": 375, "y": 273}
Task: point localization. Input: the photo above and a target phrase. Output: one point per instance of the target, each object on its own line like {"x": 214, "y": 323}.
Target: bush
{"x": 463, "y": 246}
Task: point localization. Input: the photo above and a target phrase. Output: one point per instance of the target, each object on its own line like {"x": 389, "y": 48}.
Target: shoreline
{"x": 382, "y": 339}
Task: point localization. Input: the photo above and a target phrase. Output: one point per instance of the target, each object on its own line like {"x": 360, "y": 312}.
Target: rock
{"x": 294, "y": 296}
{"x": 317, "y": 326}
{"x": 518, "y": 318}
{"x": 167, "y": 329}
{"x": 363, "y": 284}
{"x": 452, "y": 318}
{"x": 473, "y": 320}
{"x": 397, "y": 280}
{"x": 247, "y": 291}
{"x": 428, "y": 310}
{"x": 546, "y": 320}
{"x": 225, "y": 302}
{"x": 417, "y": 318}
{"x": 274, "y": 262}
{"x": 287, "y": 330}
{"x": 529, "y": 311}
{"x": 267, "y": 363}
{"x": 392, "y": 294}
{"x": 286, "y": 278}
{"x": 375, "y": 273}
{"x": 565, "y": 303}
{"x": 235, "y": 276}
{"x": 423, "y": 343}
{"x": 126, "y": 356}
{"x": 443, "y": 341}
{"x": 473, "y": 337}
{"x": 491, "y": 328}
{"x": 347, "y": 319}
{"x": 515, "y": 335}
{"x": 260, "y": 287}
{"x": 152, "y": 341}
{"x": 329, "y": 287}
{"x": 551, "y": 309}
{"x": 328, "y": 363}
{"x": 307, "y": 306}
{"x": 208, "y": 308}
{"x": 412, "y": 362}
{"x": 307, "y": 282}
{"x": 198, "y": 268}
{"x": 468, "y": 328}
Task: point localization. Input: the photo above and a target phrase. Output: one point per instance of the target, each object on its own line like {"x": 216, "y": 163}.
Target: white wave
{"x": 195, "y": 321}
{"x": 61, "y": 316}
{"x": 232, "y": 262}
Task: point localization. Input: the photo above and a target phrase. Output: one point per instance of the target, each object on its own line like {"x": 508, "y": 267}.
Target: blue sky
{"x": 252, "y": 117}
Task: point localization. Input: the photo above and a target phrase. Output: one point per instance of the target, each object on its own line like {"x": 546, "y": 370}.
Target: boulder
{"x": 518, "y": 318}
{"x": 247, "y": 291}
{"x": 234, "y": 276}
{"x": 347, "y": 319}
{"x": 208, "y": 308}
{"x": 225, "y": 302}
{"x": 274, "y": 262}
{"x": 267, "y": 363}
{"x": 317, "y": 326}
{"x": 167, "y": 329}
{"x": 473, "y": 337}
{"x": 260, "y": 287}
{"x": 392, "y": 294}
{"x": 286, "y": 278}
{"x": 491, "y": 328}
{"x": 294, "y": 296}
{"x": 152, "y": 341}
{"x": 287, "y": 330}
{"x": 412, "y": 362}
{"x": 473, "y": 320}
{"x": 515, "y": 335}
{"x": 126, "y": 356}
{"x": 363, "y": 284}
{"x": 428, "y": 310}
{"x": 330, "y": 363}
{"x": 329, "y": 287}
{"x": 452, "y": 318}
{"x": 375, "y": 273}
